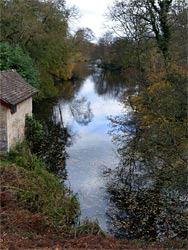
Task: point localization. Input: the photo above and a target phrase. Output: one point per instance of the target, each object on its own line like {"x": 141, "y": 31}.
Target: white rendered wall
{"x": 3, "y": 128}
{"x": 16, "y": 122}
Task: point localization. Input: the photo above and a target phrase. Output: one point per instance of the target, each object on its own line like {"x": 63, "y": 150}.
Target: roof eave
{"x": 9, "y": 105}
{"x": 6, "y": 104}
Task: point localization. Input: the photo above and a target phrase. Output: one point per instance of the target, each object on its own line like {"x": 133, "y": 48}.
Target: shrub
{"x": 33, "y": 131}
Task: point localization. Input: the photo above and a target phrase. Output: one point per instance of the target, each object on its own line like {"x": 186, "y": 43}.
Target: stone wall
{"x": 3, "y": 128}
{"x": 16, "y": 122}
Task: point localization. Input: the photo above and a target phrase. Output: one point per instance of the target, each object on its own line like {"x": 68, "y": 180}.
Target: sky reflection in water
{"x": 92, "y": 148}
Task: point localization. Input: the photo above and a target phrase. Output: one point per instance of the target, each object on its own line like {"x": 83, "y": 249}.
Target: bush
{"x": 33, "y": 131}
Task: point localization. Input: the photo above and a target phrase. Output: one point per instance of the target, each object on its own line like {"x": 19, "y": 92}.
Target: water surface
{"x": 82, "y": 112}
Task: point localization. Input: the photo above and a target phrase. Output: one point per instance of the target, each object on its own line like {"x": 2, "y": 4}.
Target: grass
{"x": 87, "y": 227}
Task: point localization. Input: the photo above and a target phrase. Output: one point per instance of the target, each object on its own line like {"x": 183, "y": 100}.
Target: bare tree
{"x": 145, "y": 19}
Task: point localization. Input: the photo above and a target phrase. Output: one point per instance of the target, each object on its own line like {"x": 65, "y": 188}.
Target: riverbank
{"x": 22, "y": 230}
{"x": 38, "y": 212}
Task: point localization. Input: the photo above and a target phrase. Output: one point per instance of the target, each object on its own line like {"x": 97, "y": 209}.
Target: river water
{"x": 81, "y": 115}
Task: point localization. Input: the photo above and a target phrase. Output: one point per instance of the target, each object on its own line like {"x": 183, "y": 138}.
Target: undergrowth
{"x": 36, "y": 188}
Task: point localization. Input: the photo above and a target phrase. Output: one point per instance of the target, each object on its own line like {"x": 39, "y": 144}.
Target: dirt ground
{"x": 20, "y": 229}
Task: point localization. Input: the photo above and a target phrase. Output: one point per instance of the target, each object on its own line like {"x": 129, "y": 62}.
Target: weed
{"x": 31, "y": 234}
{"x": 11, "y": 215}
{"x": 87, "y": 227}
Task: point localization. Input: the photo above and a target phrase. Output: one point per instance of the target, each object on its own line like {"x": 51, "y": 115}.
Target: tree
{"x": 40, "y": 28}
{"x": 81, "y": 44}
{"x": 13, "y": 57}
{"x": 104, "y": 47}
{"x": 144, "y": 19}
{"x": 179, "y": 29}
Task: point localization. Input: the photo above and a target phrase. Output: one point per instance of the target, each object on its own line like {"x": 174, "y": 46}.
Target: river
{"x": 81, "y": 115}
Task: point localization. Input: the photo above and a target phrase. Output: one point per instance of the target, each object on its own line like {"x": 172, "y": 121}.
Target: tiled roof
{"x": 13, "y": 88}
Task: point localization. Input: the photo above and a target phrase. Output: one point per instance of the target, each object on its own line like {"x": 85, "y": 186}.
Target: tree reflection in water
{"x": 81, "y": 111}
{"x": 108, "y": 83}
{"x": 145, "y": 202}
{"x": 80, "y": 108}
{"x": 58, "y": 136}
{"x": 53, "y": 147}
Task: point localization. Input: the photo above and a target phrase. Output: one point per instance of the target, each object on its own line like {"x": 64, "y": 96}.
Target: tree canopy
{"x": 15, "y": 58}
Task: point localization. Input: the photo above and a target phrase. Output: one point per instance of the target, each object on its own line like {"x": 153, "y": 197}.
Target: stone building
{"x": 15, "y": 102}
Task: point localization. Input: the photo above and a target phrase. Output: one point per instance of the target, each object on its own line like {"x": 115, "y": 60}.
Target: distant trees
{"x": 104, "y": 51}
{"x": 81, "y": 43}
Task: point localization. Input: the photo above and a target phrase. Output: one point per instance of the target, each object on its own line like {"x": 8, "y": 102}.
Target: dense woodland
{"x": 147, "y": 43}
